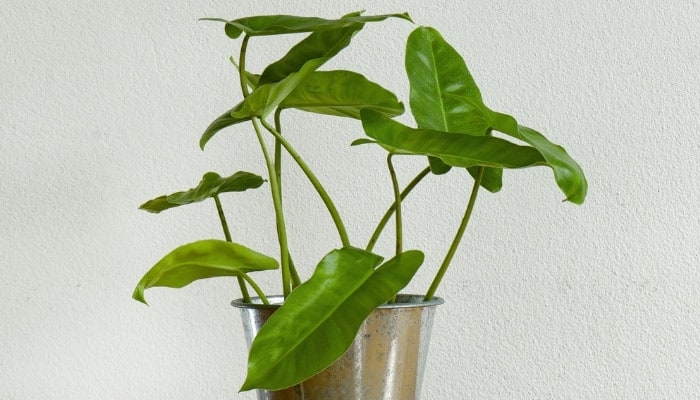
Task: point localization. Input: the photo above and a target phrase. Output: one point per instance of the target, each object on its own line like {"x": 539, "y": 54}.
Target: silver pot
{"x": 385, "y": 361}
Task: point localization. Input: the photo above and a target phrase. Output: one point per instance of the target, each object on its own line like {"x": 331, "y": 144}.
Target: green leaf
{"x": 225, "y": 120}
{"x": 435, "y": 69}
{"x": 320, "y": 318}
{"x": 200, "y": 260}
{"x": 325, "y": 43}
{"x": 211, "y": 185}
{"x": 286, "y": 24}
{"x": 440, "y": 80}
{"x": 341, "y": 93}
{"x": 455, "y": 149}
{"x": 567, "y": 172}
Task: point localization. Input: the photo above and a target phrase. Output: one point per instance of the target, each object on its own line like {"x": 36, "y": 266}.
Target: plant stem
{"x": 255, "y": 286}
{"x": 390, "y": 211}
{"x": 296, "y": 281}
{"x": 458, "y": 237}
{"x": 274, "y": 184}
{"x": 241, "y": 66}
{"x": 315, "y": 182}
{"x": 397, "y": 204}
{"x": 227, "y": 235}
{"x": 279, "y": 214}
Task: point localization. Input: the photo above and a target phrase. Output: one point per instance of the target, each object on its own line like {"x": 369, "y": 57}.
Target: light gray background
{"x": 101, "y": 107}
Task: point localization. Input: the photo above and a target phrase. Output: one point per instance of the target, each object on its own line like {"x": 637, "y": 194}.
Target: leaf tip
{"x": 138, "y": 295}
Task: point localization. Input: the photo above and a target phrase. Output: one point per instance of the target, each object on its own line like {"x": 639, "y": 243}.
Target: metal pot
{"x": 385, "y": 361}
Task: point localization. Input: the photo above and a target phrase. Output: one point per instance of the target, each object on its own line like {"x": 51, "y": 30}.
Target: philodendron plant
{"x": 455, "y": 130}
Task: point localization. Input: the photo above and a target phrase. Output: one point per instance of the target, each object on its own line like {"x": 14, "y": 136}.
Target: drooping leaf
{"x": 455, "y": 149}
{"x": 440, "y": 80}
{"x": 326, "y": 43}
{"x": 200, "y": 260}
{"x": 567, "y": 172}
{"x": 285, "y": 24}
{"x": 223, "y": 121}
{"x": 320, "y": 318}
{"x": 341, "y": 93}
{"x": 211, "y": 184}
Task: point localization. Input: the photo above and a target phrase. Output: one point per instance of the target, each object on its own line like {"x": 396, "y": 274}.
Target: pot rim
{"x": 403, "y": 301}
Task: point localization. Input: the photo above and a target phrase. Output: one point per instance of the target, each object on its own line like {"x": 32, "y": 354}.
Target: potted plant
{"x": 316, "y": 320}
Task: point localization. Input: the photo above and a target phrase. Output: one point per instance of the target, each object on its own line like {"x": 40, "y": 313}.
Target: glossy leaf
{"x": 341, "y": 93}
{"x": 211, "y": 185}
{"x": 440, "y": 80}
{"x": 223, "y": 121}
{"x": 326, "y": 43}
{"x": 567, "y": 172}
{"x": 285, "y": 24}
{"x": 320, "y": 318}
{"x": 200, "y": 260}
{"x": 455, "y": 149}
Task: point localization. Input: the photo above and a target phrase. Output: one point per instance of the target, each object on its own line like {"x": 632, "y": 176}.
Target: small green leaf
{"x": 320, "y": 318}
{"x": 455, "y": 149}
{"x": 341, "y": 93}
{"x": 286, "y": 24}
{"x": 200, "y": 260}
{"x": 211, "y": 185}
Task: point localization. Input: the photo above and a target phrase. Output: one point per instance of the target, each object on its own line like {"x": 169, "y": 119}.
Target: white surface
{"x": 101, "y": 107}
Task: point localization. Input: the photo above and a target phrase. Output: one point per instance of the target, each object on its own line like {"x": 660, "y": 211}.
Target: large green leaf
{"x": 284, "y": 24}
{"x": 200, "y": 260}
{"x": 455, "y": 149}
{"x": 320, "y": 318}
{"x": 326, "y": 43}
{"x": 211, "y": 185}
{"x": 439, "y": 81}
{"x": 567, "y": 172}
{"x": 341, "y": 93}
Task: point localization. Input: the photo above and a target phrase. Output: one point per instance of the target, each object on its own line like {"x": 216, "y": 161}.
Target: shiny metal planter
{"x": 385, "y": 362}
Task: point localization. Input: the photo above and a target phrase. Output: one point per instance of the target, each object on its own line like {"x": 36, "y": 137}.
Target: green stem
{"x": 397, "y": 204}
{"x": 458, "y": 237}
{"x": 255, "y": 287}
{"x": 241, "y": 66}
{"x": 296, "y": 281}
{"x": 279, "y": 214}
{"x": 227, "y": 234}
{"x": 315, "y": 182}
{"x": 390, "y": 211}
{"x": 274, "y": 184}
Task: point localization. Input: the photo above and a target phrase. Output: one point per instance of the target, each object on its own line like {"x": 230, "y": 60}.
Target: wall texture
{"x": 101, "y": 107}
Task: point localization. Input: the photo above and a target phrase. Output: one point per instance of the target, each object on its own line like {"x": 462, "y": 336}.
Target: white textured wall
{"x": 101, "y": 107}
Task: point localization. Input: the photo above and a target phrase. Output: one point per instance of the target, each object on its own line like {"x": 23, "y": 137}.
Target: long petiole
{"x": 227, "y": 234}
{"x": 314, "y": 181}
{"x": 458, "y": 237}
{"x": 274, "y": 185}
{"x": 296, "y": 281}
{"x": 397, "y": 204}
{"x": 392, "y": 208}
{"x": 279, "y": 214}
